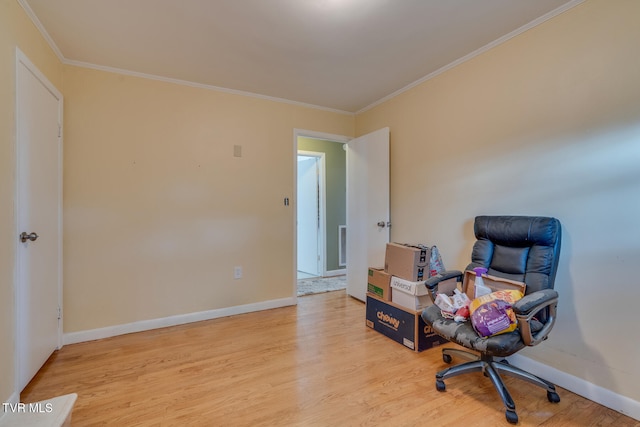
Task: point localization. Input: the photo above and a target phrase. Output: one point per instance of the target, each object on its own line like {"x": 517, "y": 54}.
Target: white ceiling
{"x": 338, "y": 54}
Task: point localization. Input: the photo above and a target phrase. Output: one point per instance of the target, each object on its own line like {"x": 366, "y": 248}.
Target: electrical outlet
{"x": 237, "y": 272}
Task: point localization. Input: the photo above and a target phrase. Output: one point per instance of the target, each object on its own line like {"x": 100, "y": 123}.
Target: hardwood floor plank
{"x": 315, "y": 364}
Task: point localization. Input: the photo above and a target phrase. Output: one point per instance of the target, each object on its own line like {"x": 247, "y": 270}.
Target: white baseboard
{"x": 145, "y": 325}
{"x": 331, "y": 273}
{"x": 579, "y": 386}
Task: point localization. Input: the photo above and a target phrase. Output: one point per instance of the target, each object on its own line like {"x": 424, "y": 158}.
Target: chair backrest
{"x": 522, "y": 248}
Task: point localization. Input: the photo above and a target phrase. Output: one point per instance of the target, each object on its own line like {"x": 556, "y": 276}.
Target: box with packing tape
{"x": 410, "y": 262}
{"x": 401, "y": 324}
{"x": 378, "y": 283}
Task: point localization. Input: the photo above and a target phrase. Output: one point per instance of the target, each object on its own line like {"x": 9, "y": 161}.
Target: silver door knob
{"x": 381, "y": 224}
{"x": 24, "y": 237}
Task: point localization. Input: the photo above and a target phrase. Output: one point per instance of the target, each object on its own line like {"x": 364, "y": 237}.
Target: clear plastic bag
{"x": 435, "y": 262}
{"x": 450, "y": 306}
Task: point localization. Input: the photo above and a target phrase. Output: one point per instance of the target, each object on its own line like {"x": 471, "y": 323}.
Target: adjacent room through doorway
{"x": 310, "y": 210}
{"x": 321, "y": 215}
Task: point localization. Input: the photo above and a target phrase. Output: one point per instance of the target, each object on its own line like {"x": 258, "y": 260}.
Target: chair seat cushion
{"x": 463, "y": 334}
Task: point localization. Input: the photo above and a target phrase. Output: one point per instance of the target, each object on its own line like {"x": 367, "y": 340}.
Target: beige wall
{"x": 545, "y": 124}
{"x": 157, "y": 209}
{"x": 16, "y": 30}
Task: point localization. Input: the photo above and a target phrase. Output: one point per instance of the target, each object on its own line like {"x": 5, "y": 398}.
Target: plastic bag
{"x": 492, "y": 314}
{"x": 435, "y": 262}
{"x": 445, "y": 304}
{"x": 460, "y": 300}
{"x": 453, "y": 307}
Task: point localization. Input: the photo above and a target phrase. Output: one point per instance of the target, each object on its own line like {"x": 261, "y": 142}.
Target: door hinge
{"x": 59, "y": 131}
{"x": 59, "y": 313}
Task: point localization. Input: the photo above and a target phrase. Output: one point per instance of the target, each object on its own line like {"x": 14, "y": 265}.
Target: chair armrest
{"x": 432, "y": 282}
{"x": 528, "y": 306}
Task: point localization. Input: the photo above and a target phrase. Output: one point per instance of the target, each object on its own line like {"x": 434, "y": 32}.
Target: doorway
{"x": 320, "y": 212}
{"x": 367, "y": 214}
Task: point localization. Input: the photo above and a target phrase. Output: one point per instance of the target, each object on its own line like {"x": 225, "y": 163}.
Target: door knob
{"x": 381, "y": 224}
{"x": 24, "y": 237}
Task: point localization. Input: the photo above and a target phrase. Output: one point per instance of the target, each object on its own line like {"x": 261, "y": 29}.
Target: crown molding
{"x": 31, "y": 14}
{"x": 201, "y": 86}
{"x": 477, "y": 52}
{"x": 571, "y": 4}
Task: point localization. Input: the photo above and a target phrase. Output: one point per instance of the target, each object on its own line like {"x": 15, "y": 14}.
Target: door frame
{"x": 317, "y": 135}
{"x": 322, "y": 208}
{"x": 23, "y": 60}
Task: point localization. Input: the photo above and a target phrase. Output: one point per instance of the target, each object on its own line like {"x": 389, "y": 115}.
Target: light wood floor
{"x": 316, "y": 364}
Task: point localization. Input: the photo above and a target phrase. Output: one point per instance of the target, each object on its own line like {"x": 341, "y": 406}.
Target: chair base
{"x": 492, "y": 369}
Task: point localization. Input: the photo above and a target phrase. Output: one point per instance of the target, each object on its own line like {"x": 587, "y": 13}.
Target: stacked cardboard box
{"x": 396, "y": 313}
{"x": 411, "y": 295}
{"x": 410, "y": 262}
{"x": 378, "y": 283}
{"x": 401, "y": 324}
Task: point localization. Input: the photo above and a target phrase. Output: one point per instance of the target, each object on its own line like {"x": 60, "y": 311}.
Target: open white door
{"x": 39, "y": 220}
{"x": 308, "y": 216}
{"x": 367, "y": 207}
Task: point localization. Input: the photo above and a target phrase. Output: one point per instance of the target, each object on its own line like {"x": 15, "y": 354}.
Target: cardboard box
{"x": 493, "y": 282}
{"x": 415, "y": 295}
{"x": 378, "y": 283}
{"x": 411, "y": 295}
{"x": 410, "y": 262}
{"x": 401, "y": 325}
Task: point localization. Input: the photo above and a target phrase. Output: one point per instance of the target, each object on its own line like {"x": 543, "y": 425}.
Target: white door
{"x": 367, "y": 207}
{"x": 39, "y": 217}
{"x": 308, "y": 215}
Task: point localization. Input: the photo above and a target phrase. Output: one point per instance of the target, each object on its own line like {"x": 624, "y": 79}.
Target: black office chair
{"x": 524, "y": 249}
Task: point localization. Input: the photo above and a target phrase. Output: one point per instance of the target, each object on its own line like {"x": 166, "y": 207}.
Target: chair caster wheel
{"x": 553, "y": 397}
{"x": 446, "y": 358}
{"x": 512, "y": 417}
{"x": 440, "y": 385}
